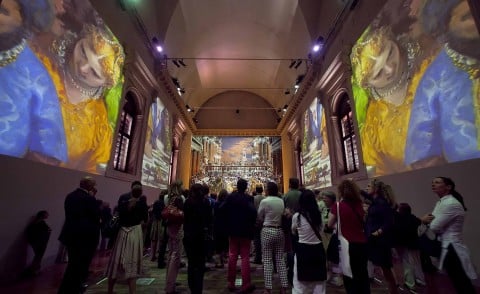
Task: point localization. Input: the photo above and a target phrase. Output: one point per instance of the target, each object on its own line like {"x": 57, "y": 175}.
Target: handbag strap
{"x": 315, "y": 230}
{"x": 339, "y": 230}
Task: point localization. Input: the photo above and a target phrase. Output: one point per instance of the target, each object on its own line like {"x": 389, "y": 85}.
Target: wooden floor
{"x": 153, "y": 281}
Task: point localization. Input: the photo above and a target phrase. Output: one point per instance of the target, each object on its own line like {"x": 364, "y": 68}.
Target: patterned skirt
{"x": 126, "y": 259}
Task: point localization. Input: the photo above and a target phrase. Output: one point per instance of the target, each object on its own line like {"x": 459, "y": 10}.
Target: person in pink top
{"x": 352, "y": 223}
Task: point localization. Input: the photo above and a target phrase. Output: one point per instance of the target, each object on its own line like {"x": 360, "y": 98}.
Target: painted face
{"x": 462, "y": 23}
{"x": 439, "y": 187}
{"x": 10, "y": 17}
{"x": 86, "y": 65}
{"x": 387, "y": 67}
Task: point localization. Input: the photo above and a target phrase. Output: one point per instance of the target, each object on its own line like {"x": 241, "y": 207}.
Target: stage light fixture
{"x": 285, "y": 108}
{"x": 237, "y": 111}
{"x": 292, "y": 63}
{"x": 182, "y": 63}
{"x": 299, "y": 62}
{"x": 174, "y": 61}
{"x": 287, "y": 91}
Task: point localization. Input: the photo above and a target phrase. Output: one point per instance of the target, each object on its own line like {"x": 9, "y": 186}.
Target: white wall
{"x": 27, "y": 187}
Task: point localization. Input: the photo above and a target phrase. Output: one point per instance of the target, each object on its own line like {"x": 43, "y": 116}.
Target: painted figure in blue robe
{"x": 445, "y": 117}
{"x": 31, "y": 122}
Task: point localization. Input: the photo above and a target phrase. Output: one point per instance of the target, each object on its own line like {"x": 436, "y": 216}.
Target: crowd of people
{"x": 295, "y": 236}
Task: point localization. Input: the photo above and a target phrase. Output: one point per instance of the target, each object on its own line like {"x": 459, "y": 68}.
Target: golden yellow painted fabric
{"x": 89, "y": 135}
{"x": 384, "y": 134}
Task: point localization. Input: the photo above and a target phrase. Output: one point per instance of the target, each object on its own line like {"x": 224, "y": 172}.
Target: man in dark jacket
{"x": 80, "y": 234}
{"x": 241, "y": 224}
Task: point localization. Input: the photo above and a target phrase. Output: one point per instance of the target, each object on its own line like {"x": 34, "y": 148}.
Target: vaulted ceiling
{"x": 230, "y": 45}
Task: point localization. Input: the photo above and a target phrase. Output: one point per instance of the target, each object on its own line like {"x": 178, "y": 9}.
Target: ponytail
{"x": 459, "y": 197}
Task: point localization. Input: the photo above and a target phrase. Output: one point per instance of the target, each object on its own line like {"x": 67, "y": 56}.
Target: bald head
{"x": 87, "y": 183}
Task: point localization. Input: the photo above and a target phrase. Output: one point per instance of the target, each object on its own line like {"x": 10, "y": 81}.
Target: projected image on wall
{"x": 158, "y": 147}
{"x": 416, "y": 84}
{"x": 316, "y": 159}
{"x": 60, "y": 83}
{"x": 226, "y": 159}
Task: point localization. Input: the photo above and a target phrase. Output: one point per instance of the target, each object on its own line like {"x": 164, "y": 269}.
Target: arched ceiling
{"x": 243, "y": 45}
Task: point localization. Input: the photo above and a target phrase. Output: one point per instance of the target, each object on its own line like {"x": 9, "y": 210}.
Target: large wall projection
{"x": 158, "y": 147}
{"x": 416, "y": 86}
{"x": 61, "y": 75}
{"x": 226, "y": 159}
{"x": 316, "y": 159}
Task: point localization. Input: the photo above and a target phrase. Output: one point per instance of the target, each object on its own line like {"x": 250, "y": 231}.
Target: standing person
{"x": 330, "y": 238}
{"x": 156, "y": 234}
{"x": 273, "y": 237}
{"x": 291, "y": 207}
{"x": 126, "y": 258}
{"x": 80, "y": 234}
{"x": 241, "y": 223}
{"x": 105, "y": 218}
{"x": 258, "y": 229}
{"x": 406, "y": 245}
{"x": 220, "y": 228}
{"x": 447, "y": 221}
{"x": 38, "y": 233}
{"x": 351, "y": 222}
{"x": 310, "y": 270}
{"x": 198, "y": 216}
{"x": 175, "y": 235}
{"x": 379, "y": 230}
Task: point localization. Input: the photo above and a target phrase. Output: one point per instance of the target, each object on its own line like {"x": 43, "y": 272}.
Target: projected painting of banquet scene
{"x": 416, "y": 85}
{"x": 316, "y": 159}
{"x": 223, "y": 160}
{"x": 61, "y": 76}
{"x": 158, "y": 147}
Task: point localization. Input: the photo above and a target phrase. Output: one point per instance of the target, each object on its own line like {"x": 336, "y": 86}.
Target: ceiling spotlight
{"x": 285, "y": 108}
{"x": 182, "y": 63}
{"x": 157, "y": 45}
{"x": 175, "y": 62}
{"x": 318, "y": 44}
{"x": 292, "y": 63}
{"x": 287, "y": 91}
{"x": 299, "y": 62}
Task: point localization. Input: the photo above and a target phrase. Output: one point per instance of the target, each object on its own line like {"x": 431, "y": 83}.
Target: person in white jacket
{"x": 447, "y": 220}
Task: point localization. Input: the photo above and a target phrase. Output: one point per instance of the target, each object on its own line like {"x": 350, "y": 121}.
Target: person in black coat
{"x": 80, "y": 234}
{"x": 198, "y": 216}
{"x": 38, "y": 233}
{"x": 407, "y": 246}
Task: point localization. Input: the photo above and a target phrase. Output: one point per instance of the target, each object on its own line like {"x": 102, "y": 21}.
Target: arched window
{"x": 123, "y": 145}
{"x": 348, "y": 136}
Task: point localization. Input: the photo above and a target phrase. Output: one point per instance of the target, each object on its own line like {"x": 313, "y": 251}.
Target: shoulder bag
{"x": 172, "y": 214}
{"x": 343, "y": 248}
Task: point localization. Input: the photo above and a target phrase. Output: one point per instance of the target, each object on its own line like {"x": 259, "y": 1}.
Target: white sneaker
{"x": 420, "y": 282}
{"x": 336, "y": 281}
